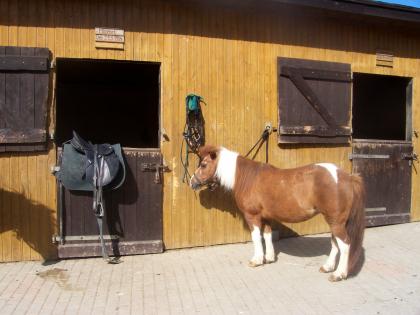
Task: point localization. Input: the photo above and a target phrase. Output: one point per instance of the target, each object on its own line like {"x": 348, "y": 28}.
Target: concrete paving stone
{"x": 216, "y": 280}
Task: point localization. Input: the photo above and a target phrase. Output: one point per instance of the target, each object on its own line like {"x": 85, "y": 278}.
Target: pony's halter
{"x": 211, "y": 183}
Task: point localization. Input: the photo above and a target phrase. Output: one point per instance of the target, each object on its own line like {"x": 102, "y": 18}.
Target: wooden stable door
{"x": 133, "y": 221}
{"x": 386, "y": 169}
{"x": 382, "y": 145}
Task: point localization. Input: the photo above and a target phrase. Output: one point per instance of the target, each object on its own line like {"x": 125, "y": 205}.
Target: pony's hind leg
{"x": 331, "y": 262}
{"x": 342, "y": 239}
{"x": 269, "y": 248}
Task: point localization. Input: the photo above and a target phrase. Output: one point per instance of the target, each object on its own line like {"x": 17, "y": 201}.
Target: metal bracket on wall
{"x": 163, "y": 135}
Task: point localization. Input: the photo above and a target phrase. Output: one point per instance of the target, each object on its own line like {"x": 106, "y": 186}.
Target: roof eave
{"x": 362, "y": 7}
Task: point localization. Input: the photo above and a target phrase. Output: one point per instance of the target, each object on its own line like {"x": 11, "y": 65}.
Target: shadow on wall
{"x": 30, "y": 223}
{"x": 219, "y": 199}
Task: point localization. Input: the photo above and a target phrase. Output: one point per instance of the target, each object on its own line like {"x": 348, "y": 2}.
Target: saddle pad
{"x": 72, "y": 173}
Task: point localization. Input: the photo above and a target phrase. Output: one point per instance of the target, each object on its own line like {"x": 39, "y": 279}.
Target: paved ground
{"x": 216, "y": 280}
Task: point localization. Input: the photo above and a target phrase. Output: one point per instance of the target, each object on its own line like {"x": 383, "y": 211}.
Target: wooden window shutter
{"x": 24, "y": 84}
{"x": 314, "y": 101}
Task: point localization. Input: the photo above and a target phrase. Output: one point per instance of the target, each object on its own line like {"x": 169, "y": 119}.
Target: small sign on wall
{"x": 112, "y": 38}
{"x": 384, "y": 59}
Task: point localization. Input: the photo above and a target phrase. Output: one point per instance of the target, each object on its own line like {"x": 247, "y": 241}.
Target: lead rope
{"x": 265, "y": 136}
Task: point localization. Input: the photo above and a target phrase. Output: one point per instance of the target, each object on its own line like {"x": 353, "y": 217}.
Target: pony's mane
{"x": 233, "y": 171}
{"x": 226, "y": 167}
{"x": 246, "y": 173}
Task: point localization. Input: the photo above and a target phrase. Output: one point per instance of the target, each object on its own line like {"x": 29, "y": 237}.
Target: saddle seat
{"x": 77, "y": 169}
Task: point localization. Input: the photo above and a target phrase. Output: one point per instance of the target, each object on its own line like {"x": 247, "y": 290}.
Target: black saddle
{"x": 92, "y": 167}
{"x": 78, "y": 168}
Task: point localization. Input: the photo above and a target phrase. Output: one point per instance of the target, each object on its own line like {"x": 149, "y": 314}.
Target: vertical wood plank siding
{"x": 229, "y": 57}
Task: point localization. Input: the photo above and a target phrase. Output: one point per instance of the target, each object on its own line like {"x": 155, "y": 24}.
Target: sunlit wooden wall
{"x": 226, "y": 55}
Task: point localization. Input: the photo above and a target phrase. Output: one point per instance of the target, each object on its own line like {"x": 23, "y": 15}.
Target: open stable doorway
{"x": 381, "y": 107}
{"x": 108, "y": 101}
{"x": 111, "y": 101}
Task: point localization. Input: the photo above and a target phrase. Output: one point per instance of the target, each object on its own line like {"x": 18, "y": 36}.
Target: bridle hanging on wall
{"x": 194, "y": 131}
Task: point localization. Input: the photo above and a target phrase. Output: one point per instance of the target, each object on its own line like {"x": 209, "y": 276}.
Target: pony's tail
{"x": 355, "y": 224}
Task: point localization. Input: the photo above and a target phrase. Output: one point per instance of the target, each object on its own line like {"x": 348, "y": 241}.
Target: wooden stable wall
{"x": 226, "y": 55}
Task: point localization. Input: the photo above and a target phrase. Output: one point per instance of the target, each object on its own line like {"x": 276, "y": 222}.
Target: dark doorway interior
{"x": 380, "y": 107}
{"x": 108, "y": 101}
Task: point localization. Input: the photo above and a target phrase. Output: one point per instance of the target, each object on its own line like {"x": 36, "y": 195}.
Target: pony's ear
{"x": 208, "y": 150}
{"x": 201, "y": 152}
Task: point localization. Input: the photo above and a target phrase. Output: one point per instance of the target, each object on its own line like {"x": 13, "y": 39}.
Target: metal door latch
{"x": 157, "y": 168}
{"x": 410, "y": 157}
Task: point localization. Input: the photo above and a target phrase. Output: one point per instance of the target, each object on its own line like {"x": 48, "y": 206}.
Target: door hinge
{"x": 353, "y": 156}
{"x": 57, "y": 239}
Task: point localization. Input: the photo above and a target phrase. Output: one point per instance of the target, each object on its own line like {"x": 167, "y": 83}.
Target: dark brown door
{"x": 133, "y": 221}
{"x": 386, "y": 168}
{"x": 24, "y": 89}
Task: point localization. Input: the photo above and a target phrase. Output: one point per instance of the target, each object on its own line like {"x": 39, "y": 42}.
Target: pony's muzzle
{"x": 194, "y": 183}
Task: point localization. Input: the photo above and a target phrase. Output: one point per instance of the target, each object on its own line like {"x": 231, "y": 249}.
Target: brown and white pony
{"x": 265, "y": 193}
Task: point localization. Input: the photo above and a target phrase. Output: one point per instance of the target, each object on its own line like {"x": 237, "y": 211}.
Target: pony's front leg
{"x": 255, "y": 227}
{"x": 258, "y": 258}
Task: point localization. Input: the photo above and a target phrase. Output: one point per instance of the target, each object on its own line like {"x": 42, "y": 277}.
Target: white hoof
{"x": 268, "y": 259}
{"x": 256, "y": 261}
{"x": 327, "y": 268}
{"x": 334, "y": 277}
